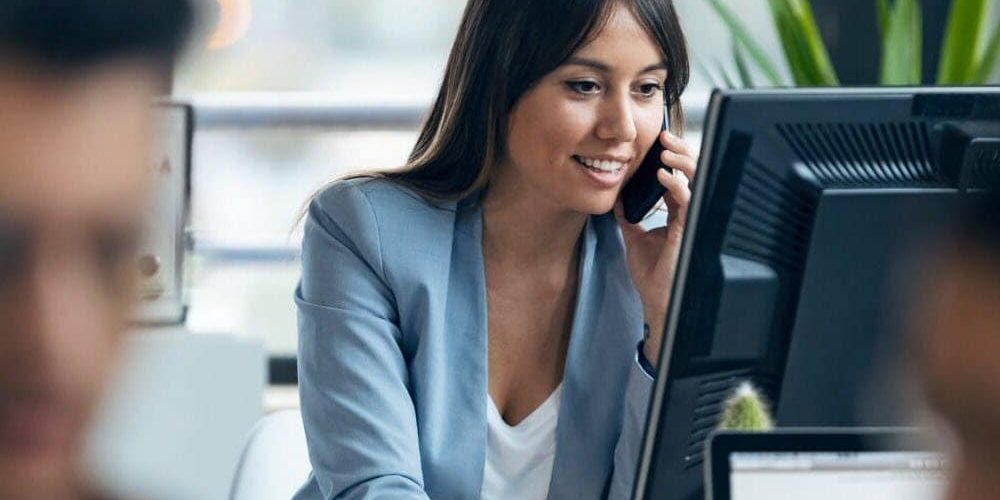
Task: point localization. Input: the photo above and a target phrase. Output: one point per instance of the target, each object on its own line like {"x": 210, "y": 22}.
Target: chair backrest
{"x": 275, "y": 462}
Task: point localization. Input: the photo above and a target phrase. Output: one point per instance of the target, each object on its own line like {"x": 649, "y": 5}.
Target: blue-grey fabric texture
{"x": 393, "y": 362}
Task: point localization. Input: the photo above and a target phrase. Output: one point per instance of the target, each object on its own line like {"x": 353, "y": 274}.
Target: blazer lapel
{"x": 601, "y": 352}
{"x": 466, "y": 359}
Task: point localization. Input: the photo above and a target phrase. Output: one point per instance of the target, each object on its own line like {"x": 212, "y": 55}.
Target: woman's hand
{"x": 652, "y": 255}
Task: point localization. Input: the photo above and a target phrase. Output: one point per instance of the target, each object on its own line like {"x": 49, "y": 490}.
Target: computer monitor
{"x": 824, "y": 464}
{"x": 805, "y": 209}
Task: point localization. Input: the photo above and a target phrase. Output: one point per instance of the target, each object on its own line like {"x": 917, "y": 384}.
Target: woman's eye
{"x": 583, "y": 86}
{"x": 650, "y": 89}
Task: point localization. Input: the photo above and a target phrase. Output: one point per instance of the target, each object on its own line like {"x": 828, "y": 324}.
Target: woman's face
{"x": 580, "y": 132}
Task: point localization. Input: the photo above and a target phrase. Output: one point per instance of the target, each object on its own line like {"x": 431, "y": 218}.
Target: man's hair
{"x": 72, "y": 35}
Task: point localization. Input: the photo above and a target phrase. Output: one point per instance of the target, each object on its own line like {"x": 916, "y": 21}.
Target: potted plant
{"x": 969, "y": 51}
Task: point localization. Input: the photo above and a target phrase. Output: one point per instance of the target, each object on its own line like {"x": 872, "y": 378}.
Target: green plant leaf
{"x": 916, "y": 19}
{"x": 901, "y": 46}
{"x": 813, "y": 41}
{"x": 748, "y": 41}
{"x": 959, "y": 50}
{"x": 987, "y": 64}
{"x": 804, "y": 49}
{"x": 794, "y": 56}
{"x": 883, "y": 11}
{"x": 746, "y": 79}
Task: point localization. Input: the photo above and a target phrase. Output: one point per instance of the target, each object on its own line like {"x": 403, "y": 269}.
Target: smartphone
{"x": 643, "y": 191}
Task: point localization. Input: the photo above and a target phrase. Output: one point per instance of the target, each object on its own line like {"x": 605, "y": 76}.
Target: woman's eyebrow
{"x": 598, "y": 65}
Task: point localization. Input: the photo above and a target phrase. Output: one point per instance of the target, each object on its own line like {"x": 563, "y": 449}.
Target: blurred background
{"x": 289, "y": 94}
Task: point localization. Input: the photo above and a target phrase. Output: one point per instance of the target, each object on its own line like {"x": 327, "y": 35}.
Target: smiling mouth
{"x": 600, "y": 166}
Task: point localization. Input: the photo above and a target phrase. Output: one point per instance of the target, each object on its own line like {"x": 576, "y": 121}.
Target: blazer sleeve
{"x": 637, "y": 393}
{"x": 359, "y": 418}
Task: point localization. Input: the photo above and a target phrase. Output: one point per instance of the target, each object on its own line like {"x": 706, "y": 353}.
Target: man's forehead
{"x": 73, "y": 144}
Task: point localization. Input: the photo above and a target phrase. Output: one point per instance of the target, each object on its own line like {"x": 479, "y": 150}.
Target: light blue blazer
{"x": 392, "y": 353}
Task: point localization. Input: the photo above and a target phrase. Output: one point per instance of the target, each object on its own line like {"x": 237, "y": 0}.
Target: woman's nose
{"x": 617, "y": 121}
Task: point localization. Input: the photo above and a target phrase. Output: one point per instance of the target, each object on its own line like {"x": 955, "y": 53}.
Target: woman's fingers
{"x": 685, "y": 164}
{"x": 678, "y": 193}
{"x": 674, "y": 143}
{"x": 678, "y": 155}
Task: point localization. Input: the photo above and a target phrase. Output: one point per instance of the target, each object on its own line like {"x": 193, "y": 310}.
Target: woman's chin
{"x": 597, "y": 206}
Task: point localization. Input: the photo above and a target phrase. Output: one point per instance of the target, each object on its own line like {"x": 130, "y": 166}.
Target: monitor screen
{"x": 873, "y": 475}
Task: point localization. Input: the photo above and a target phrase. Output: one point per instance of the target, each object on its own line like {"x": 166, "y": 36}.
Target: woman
{"x": 472, "y": 325}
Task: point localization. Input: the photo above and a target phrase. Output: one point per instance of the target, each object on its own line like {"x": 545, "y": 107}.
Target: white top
{"x": 519, "y": 458}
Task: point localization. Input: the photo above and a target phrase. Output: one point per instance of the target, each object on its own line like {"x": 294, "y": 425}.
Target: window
{"x": 283, "y": 91}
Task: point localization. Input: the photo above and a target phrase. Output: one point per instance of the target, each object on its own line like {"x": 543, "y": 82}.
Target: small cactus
{"x": 745, "y": 410}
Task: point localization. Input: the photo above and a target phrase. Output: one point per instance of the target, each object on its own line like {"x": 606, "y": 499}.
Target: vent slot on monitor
{"x": 771, "y": 220}
{"x": 984, "y": 156}
{"x": 855, "y": 155}
{"x": 712, "y": 395}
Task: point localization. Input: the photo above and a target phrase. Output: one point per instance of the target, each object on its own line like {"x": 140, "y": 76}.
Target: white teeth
{"x": 602, "y": 165}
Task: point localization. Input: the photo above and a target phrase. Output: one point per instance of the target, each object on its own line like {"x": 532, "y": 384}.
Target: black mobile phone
{"x": 642, "y": 191}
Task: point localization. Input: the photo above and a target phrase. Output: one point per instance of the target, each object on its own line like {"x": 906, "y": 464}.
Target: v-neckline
{"x": 527, "y": 423}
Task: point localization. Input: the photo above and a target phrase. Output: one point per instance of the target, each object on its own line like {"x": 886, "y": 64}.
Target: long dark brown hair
{"x": 502, "y": 49}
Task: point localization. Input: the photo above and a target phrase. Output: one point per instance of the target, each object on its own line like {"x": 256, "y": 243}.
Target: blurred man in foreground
{"x": 958, "y": 318}
{"x": 77, "y": 80}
